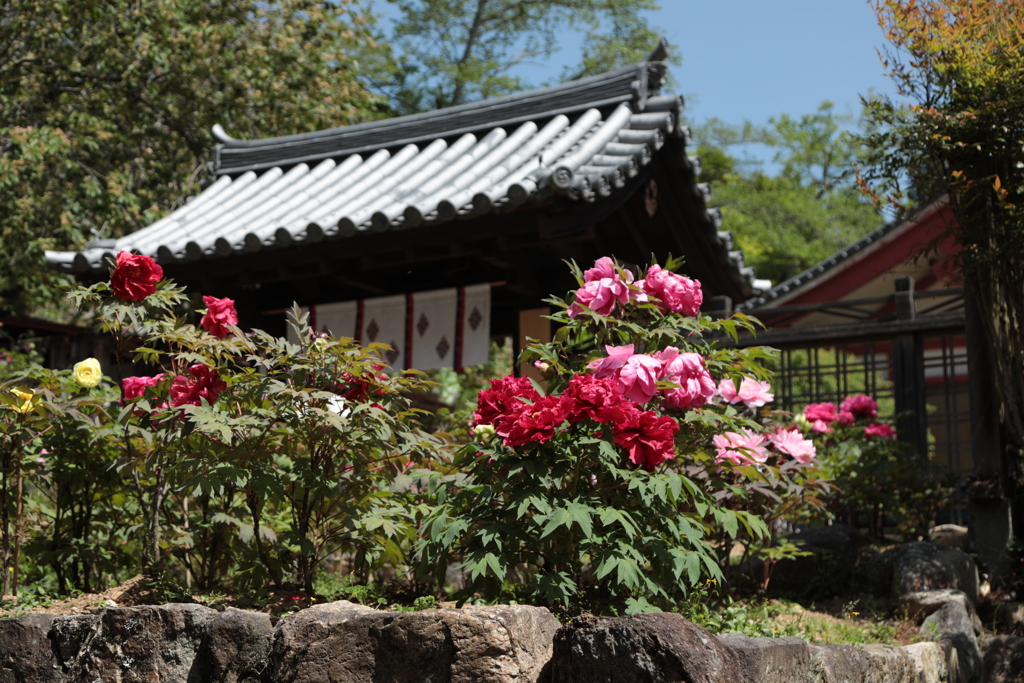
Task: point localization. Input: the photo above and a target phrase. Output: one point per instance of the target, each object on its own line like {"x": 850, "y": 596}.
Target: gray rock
{"x": 769, "y": 660}
{"x": 148, "y": 643}
{"x": 825, "y": 571}
{"x": 235, "y": 648}
{"x": 26, "y": 654}
{"x": 951, "y": 535}
{"x": 342, "y": 642}
{"x": 952, "y": 624}
{"x": 917, "y": 606}
{"x": 1011, "y": 614}
{"x": 1003, "y": 658}
{"x": 923, "y": 566}
{"x": 641, "y": 648}
{"x": 877, "y": 571}
{"x": 71, "y": 635}
{"x": 929, "y": 660}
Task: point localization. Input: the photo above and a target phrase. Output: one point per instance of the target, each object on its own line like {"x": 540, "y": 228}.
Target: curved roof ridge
{"x": 634, "y": 83}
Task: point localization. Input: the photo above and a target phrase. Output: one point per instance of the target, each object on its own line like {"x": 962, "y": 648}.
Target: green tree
{"x": 961, "y": 63}
{"x": 808, "y": 209}
{"x": 106, "y": 108}
{"x": 450, "y": 52}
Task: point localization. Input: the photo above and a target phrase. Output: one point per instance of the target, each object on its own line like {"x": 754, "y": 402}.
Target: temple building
{"x": 438, "y": 231}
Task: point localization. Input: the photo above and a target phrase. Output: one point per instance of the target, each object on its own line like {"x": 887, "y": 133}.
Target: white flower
{"x": 336, "y": 404}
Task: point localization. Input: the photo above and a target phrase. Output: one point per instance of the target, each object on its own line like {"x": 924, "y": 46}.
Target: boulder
{"x": 1003, "y": 658}
{"x": 877, "y": 570}
{"x": 917, "y": 606}
{"x": 923, "y": 566}
{"x": 26, "y": 654}
{"x": 640, "y": 648}
{"x": 235, "y": 648}
{"x": 952, "y": 624}
{"x": 833, "y": 552}
{"x": 147, "y": 643}
{"x": 1011, "y": 614}
{"x": 951, "y": 535}
{"x": 342, "y": 642}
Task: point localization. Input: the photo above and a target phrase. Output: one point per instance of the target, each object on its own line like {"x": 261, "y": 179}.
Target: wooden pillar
{"x": 908, "y": 373}
{"x": 532, "y": 325}
{"x": 991, "y": 524}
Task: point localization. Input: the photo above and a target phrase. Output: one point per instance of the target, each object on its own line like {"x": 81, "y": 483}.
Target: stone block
{"x": 641, "y": 648}
{"x": 235, "y": 648}
{"x": 770, "y": 660}
{"x": 26, "y": 653}
{"x": 342, "y": 642}
{"x": 147, "y": 643}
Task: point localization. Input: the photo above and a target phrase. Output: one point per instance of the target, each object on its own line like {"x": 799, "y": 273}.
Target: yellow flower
{"x": 88, "y": 373}
{"x": 25, "y": 402}
{"x": 483, "y": 431}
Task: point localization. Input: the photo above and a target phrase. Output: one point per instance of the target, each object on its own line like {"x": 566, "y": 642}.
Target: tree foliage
{"x": 962, "y": 64}
{"x": 454, "y": 51}
{"x": 808, "y": 209}
{"x": 106, "y": 108}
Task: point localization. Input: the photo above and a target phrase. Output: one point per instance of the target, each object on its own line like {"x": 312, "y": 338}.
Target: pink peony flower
{"x": 743, "y": 448}
{"x": 845, "y": 418}
{"x": 751, "y": 393}
{"x": 608, "y": 367}
{"x": 636, "y": 374}
{"x": 600, "y": 296}
{"x": 826, "y": 412}
{"x": 649, "y": 439}
{"x": 860, "y": 405}
{"x": 603, "y": 268}
{"x": 792, "y": 443}
{"x": 696, "y": 387}
{"x": 638, "y": 378}
{"x": 219, "y": 314}
{"x": 673, "y": 292}
{"x": 821, "y": 427}
{"x": 879, "y": 429}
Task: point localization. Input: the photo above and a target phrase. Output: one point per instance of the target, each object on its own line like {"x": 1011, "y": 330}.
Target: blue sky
{"x": 753, "y": 59}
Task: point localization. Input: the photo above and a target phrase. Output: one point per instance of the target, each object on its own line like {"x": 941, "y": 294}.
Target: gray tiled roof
{"x": 581, "y": 140}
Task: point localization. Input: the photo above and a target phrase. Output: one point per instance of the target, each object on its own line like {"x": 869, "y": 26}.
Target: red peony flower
{"x": 500, "y": 405}
{"x": 861, "y": 405}
{"x": 588, "y": 397}
{"x": 135, "y": 387}
{"x": 219, "y": 314}
{"x": 536, "y": 422}
{"x": 845, "y": 418}
{"x": 135, "y": 276}
{"x": 205, "y": 383}
{"x": 648, "y": 438}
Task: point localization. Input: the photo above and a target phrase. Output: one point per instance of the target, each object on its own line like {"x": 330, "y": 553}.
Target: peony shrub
{"x": 239, "y": 443}
{"x": 877, "y": 481}
{"x": 610, "y": 485}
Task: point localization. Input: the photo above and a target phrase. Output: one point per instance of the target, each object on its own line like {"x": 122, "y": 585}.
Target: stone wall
{"x": 345, "y": 643}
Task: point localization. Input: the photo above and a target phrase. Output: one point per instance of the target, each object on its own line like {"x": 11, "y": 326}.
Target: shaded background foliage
{"x": 106, "y": 108}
